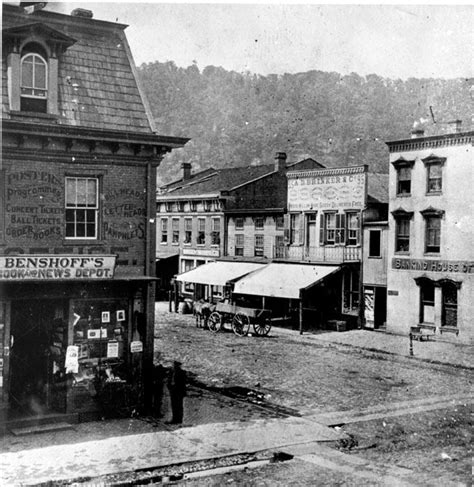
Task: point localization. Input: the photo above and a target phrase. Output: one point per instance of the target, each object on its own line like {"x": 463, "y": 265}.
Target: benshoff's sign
{"x": 56, "y": 267}
{"x": 327, "y": 189}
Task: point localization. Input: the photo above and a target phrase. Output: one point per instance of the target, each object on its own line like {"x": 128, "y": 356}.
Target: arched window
{"x": 33, "y": 79}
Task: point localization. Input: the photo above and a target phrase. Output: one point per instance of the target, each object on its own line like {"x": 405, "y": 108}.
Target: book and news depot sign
{"x": 56, "y": 267}
{"x": 327, "y": 189}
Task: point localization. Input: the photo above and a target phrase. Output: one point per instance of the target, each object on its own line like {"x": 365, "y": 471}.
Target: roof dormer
{"x": 32, "y": 52}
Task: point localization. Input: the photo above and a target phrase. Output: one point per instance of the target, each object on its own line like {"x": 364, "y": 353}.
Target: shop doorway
{"x": 37, "y": 345}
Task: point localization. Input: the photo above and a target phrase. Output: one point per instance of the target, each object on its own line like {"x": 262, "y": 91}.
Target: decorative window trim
{"x": 429, "y": 163}
{"x": 401, "y": 213}
{"x": 433, "y": 159}
{"x": 53, "y": 41}
{"x": 402, "y": 162}
{"x": 430, "y": 211}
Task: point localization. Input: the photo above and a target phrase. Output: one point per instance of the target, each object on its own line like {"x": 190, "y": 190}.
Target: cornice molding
{"x": 341, "y": 171}
{"x": 433, "y": 142}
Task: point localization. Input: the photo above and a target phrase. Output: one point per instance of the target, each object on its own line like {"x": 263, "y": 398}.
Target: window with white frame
{"x": 175, "y": 230}
{"x": 259, "y": 223}
{"x": 258, "y": 249}
{"x": 434, "y": 173}
{"x": 216, "y": 231}
{"x": 404, "y": 180}
{"x": 433, "y": 234}
{"x": 201, "y": 232}
{"x": 435, "y": 178}
{"x": 33, "y": 79}
{"x": 404, "y": 172}
{"x": 188, "y": 230}
{"x": 239, "y": 244}
{"x": 82, "y": 207}
{"x": 164, "y": 230}
{"x": 295, "y": 228}
{"x": 402, "y": 233}
{"x": 353, "y": 228}
{"x": 330, "y": 229}
{"x": 239, "y": 223}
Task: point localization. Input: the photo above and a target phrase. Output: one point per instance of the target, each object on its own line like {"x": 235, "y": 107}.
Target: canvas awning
{"x": 282, "y": 280}
{"x": 218, "y": 273}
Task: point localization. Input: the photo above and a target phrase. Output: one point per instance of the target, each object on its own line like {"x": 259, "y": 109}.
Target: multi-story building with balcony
{"x": 217, "y": 213}
{"x": 430, "y": 251}
{"x": 316, "y": 272}
{"x": 77, "y": 213}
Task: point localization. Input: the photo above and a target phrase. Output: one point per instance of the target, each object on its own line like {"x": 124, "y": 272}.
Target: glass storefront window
{"x": 100, "y": 334}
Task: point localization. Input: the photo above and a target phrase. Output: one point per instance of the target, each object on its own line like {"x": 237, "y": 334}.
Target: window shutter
{"x": 301, "y": 230}
{"x": 343, "y": 229}
{"x": 337, "y": 237}
{"x": 321, "y": 229}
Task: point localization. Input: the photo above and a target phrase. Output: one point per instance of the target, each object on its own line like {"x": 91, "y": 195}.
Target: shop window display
{"x": 100, "y": 344}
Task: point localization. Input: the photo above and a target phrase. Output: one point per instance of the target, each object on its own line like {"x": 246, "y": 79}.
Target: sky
{"x": 394, "y": 41}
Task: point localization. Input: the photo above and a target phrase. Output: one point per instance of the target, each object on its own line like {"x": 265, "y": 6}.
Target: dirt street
{"x": 319, "y": 377}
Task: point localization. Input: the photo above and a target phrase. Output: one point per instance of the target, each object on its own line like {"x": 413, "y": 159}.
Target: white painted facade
{"x": 430, "y": 278}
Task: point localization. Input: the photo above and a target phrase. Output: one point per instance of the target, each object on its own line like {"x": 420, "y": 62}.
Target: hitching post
{"x": 411, "y": 344}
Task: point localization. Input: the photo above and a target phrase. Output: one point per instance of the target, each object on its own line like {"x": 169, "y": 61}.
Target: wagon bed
{"x": 240, "y": 318}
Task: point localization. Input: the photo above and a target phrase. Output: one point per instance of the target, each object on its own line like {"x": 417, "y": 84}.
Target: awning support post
{"x": 301, "y": 313}
{"x": 176, "y": 297}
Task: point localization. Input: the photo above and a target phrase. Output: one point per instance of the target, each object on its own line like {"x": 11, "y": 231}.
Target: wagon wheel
{"x": 262, "y": 328}
{"x": 240, "y": 324}
{"x": 214, "y": 322}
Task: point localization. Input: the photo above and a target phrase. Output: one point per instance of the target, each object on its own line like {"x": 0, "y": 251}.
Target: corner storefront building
{"x": 431, "y": 257}
{"x": 77, "y": 210}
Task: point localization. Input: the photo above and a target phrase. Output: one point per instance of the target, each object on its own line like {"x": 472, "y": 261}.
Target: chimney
{"x": 454, "y": 126}
{"x": 417, "y": 133}
{"x": 82, "y": 12}
{"x": 186, "y": 167}
{"x": 280, "y": 161}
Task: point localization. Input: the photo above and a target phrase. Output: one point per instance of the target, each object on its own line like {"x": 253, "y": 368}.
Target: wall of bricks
{"x": 269, "y": 232}
{"x": 33, "y": 210}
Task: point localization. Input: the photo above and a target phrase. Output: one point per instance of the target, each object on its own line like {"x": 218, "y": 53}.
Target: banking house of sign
{"x": 56, "y": 267}
{"x": 327, "y": 189}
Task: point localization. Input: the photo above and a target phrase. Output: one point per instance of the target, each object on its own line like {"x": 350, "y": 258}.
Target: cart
{"x": 240, "y": 319}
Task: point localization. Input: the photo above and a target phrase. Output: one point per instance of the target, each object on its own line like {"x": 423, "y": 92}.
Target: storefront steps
{"x": 37, "y": 424}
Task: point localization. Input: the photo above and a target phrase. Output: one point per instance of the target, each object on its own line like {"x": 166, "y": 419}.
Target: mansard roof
{"x": 98, "y": 85}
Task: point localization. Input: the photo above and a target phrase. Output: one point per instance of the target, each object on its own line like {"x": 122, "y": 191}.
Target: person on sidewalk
{"x": 177, "y": 388}
{"x": 159, "y": 375}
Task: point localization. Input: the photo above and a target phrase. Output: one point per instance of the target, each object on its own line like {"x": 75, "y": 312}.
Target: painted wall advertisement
{"x": 327, "y": 189}
{"x": 56, "y": 267}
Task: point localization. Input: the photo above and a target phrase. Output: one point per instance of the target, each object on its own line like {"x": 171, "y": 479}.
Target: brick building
{"x": 217, "y": 213}
{"x": 316, "y": 275}
{"x": 430, "y": 251}
{"x": 77, "y": 210}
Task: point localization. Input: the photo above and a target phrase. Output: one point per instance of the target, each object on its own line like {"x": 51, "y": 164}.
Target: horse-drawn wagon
{"x": 240, "y": 319}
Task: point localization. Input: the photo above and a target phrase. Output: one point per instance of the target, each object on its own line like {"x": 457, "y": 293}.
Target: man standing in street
{"x": 177, "y": 388}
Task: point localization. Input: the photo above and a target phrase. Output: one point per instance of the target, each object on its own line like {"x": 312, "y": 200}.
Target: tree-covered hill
{"x": 242, "y": 119}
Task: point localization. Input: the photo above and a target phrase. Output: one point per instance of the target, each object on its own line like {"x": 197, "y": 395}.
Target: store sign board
{"x": 431, "y": 265}
{"x": 201, "y": 252}
{"x": 327, "y": 189}
{"x": 56, "y": 267}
